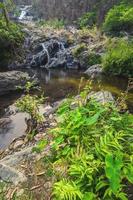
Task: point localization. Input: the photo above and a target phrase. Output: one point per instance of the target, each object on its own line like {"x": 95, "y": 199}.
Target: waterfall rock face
{"x": 51, "y": 53}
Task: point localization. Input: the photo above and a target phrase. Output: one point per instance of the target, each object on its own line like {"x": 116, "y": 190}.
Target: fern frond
{"x": 66, "y": 190}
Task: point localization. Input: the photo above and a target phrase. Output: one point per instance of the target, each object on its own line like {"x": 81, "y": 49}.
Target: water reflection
{"x": 55, "y": 85}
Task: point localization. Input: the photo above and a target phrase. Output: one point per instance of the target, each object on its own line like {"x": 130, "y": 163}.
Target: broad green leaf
{"x": 113, "y": 171}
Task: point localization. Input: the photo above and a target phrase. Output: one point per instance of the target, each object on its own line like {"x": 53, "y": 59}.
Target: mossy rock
{"x": 85, "y": 57}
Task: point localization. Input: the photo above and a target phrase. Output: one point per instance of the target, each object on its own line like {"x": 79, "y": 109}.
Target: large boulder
{"x": 9, "y": 81}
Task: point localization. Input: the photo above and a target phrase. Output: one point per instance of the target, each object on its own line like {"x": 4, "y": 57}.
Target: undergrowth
{"x": 92, "y": 151}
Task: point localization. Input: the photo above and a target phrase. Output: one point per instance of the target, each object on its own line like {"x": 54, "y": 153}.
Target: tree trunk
{"x": 5, "y": 14}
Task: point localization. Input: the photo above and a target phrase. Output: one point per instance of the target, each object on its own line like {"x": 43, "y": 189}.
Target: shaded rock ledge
{"x": 9, "y": 81}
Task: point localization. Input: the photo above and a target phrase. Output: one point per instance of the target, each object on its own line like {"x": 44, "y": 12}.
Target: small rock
{"x": 94, "y": 71}
{"x": 39, "y": 136}
{"x": 18, "y": 144}
{"x": 53, "y": 124}
{"x": 50, "y": 116}
{"x": 4, "y": 122}
{"x": 19, "y": 192}
{"x": 47, "y": 109}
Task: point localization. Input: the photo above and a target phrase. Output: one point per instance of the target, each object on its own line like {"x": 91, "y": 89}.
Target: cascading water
{"x": 47, "y": 53}
{"x": 24, "y": 15}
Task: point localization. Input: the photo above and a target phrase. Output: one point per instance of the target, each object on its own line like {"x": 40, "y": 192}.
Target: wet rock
{"x": 39, "y": 136}
{"x": 44, "y": 51}
{"x": 9, "y": 81}
{"x": 58, "y": 63}
{"x": 9, "y": 174}
{"x": 64, "y": 59}
{"x": 4, "y": 122}
{"x": 50, "y": 53}
{"x": 47, "y": 110}
{"x": 94, "y": 71}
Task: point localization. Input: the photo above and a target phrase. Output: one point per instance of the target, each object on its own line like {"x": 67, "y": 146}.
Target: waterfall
{"x": 24, "y": 11}
{"x": 47, "y": 53}
{"x": 62, "y": 46}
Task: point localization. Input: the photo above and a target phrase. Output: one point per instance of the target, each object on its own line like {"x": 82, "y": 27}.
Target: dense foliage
{"x": 11, "y": 37}
{"x": 118, "y": 19}
{"x": 119, "y": 58}
{"x": 94, "y": 143}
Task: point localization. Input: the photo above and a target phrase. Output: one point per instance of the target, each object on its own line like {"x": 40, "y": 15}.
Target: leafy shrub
{"x": 30, "y": 104}
{"x": 11, "y": 37}
{"x": 87, "y": 20}
{"x": 119, "y": 58}
{"x": 53, "y": 23}
{"x": 96, "y": 142}
{"x": 119, "y": 18}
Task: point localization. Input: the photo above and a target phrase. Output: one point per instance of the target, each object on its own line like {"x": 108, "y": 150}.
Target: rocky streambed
{"x": 55, "y": 59}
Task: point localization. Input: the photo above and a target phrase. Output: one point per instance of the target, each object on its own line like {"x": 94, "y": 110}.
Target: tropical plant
{"x": 97, "y": 143}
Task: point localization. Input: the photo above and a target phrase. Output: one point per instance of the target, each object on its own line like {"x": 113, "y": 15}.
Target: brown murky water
{"x": 56, "y": 85}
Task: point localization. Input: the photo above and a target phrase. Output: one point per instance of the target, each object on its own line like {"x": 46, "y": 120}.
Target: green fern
{"x": 66, "y": 190}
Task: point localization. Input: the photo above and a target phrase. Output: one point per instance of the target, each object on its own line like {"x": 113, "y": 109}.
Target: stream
{"x": 55, "y": 84}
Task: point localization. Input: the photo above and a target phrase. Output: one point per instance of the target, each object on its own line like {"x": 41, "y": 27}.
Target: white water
{"x": 47, "y": 53}
{"x": 24, "y": 11}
